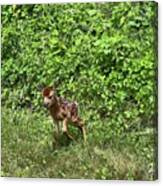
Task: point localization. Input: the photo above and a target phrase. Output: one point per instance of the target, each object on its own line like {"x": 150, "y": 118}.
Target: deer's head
{"x": 49, "y": 96}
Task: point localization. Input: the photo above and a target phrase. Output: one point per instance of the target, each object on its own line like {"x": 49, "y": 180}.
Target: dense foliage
{"x": 104, "y": 55}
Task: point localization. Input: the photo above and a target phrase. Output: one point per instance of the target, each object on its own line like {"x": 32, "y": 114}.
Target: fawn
{"x": 63, "y": 111}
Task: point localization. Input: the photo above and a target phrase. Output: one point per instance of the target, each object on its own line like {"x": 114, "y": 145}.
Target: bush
{"x": 101, "y": 54}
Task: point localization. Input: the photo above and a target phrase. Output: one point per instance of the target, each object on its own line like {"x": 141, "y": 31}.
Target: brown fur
{"x": 63, "y": 111}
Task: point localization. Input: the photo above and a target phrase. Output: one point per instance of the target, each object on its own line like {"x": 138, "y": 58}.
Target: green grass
{"x": 27, "y": 150}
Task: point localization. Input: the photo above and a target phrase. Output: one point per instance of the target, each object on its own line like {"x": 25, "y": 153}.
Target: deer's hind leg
{"x": 80, "y": 124}
{"x": 65, "y": 129}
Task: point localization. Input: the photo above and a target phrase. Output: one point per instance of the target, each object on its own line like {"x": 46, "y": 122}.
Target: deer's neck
{"x": 54, "y": 109}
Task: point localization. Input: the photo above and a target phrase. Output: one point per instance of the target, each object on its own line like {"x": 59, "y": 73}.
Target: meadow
{"x": 27, "y": 151}
{"x": 102, "y": 55}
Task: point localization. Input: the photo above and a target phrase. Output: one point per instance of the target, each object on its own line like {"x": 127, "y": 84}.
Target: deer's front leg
{"x": 58, "y": 128}
{"x": 56, "y": 132}
{"x": 65, "y": 129}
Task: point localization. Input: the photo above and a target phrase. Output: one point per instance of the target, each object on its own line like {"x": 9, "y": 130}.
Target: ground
{"x": 27, "y": 151}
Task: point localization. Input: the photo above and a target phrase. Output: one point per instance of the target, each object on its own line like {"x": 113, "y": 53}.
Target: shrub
{"x": 101, "y": 54}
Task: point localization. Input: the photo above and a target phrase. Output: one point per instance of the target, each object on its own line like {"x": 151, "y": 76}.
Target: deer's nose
{"x": 46, "y": 105}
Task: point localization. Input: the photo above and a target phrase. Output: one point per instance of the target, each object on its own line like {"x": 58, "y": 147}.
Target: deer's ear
{"x": 46, "y": 91}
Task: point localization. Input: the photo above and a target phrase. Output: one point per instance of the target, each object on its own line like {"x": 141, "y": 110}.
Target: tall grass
{"x": 27, "y": 151}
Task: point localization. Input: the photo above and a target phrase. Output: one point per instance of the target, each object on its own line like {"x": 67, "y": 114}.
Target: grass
{"x": 27, "y": 151}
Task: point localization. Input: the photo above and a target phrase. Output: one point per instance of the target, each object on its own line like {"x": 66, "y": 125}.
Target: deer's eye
{"x": 50, "y": 97}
